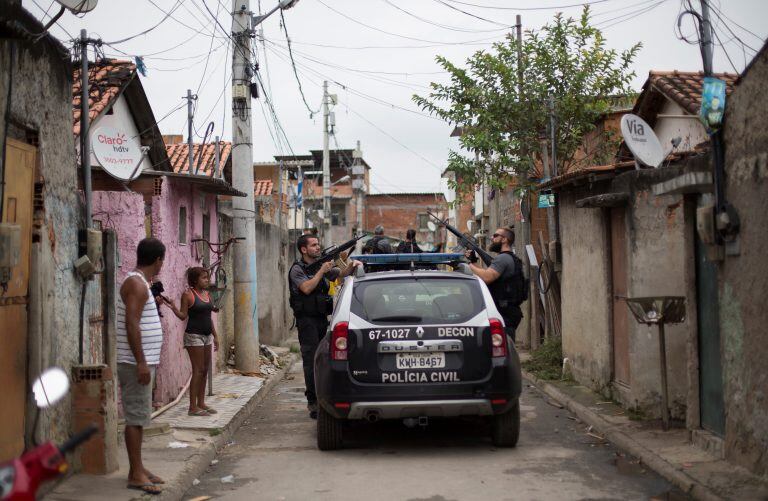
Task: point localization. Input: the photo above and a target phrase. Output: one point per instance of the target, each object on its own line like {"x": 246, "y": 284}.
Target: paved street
{"x": 273, "y": 457}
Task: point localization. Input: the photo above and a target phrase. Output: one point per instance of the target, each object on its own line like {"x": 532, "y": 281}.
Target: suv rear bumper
{"x": 345, "y": 398}
{"x": 417, "y": 408}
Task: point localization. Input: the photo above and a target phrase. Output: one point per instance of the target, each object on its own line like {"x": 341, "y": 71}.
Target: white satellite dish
{"x": 431, "y": 226}
{"x": 118, "y": 154}
{"x": 79, "y": 6}
{"x": 641, "y": 140}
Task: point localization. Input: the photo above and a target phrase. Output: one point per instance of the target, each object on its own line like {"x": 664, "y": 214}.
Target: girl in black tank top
{"x": 200, "y": 334}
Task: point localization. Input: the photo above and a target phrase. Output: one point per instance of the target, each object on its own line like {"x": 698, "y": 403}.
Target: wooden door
{"x": 17, "y": 208}
{"x": 619, "y": 285}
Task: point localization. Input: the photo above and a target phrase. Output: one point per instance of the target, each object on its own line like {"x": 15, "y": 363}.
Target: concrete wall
{"x": 41, "y": 112}
{"x": 586, "y": 295}
{"x": 124, "y": 212}
{"x": 272, "y": 264}
{"x": 660, "y": 263}
{"x": 744, "y": 278}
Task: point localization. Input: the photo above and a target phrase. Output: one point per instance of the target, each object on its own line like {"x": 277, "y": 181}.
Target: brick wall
{"x": 399, "y": 212}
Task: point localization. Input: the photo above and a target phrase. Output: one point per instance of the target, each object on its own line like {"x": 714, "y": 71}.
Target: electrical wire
{"x": 551, "y": 7}
{"x": 362, "y": 94}
{"x": 293, "y": 65}
{"x": 486, "y": 41}
{"x": 389, "y": 32}
{"x": 441, "y": 2}
{"x": 165, "y": 18}
{"x": 607, "y": 23}
{"x": 210, "y": 50}
{"x": 398, "y": 83}
{"x": 443, "y": 26}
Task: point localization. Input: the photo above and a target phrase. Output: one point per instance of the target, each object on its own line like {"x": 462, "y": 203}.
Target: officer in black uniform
{"x": 505, "y": 279}
{"x": 311, "y": 306}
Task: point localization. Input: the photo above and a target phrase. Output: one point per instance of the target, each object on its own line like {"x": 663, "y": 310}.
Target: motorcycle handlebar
{"x": 78, "y": 438}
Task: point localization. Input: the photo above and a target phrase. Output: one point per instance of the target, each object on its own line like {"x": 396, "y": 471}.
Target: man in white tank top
{"x": 139, "y": 340}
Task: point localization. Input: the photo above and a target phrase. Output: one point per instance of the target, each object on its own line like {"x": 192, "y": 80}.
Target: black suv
{"x": 414, "y": 345}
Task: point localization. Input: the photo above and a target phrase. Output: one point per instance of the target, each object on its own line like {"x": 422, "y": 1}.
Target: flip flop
{"x": 151, "y": 489}
{"x": 155, "y": 479}
{"x": 199, "y": 412}
{"x": 211, "y": 410}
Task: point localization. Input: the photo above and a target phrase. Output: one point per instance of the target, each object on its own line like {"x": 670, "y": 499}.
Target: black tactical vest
{"x": 316, "y": 303}
{"x": 510, "y": 289}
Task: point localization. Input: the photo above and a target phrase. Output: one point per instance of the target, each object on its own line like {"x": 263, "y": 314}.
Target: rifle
{"x": 465, "y": 241}
{"x": 331, "y": 253}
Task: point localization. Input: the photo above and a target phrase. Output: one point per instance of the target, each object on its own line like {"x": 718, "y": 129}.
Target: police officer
{"x": 378, "y": 244}
{"x": 504, "y": 278}
{"x": 311, "y": 305}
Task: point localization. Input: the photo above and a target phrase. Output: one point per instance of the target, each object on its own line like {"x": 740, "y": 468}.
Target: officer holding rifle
{"x": 308, "y": 282}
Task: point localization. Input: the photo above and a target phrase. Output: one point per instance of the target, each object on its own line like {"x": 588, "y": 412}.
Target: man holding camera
{"x": 311, "y": 305}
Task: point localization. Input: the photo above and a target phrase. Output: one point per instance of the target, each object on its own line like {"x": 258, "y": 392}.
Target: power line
{"x": 605, "y": 24}
{"x": 387, "y": 32}
{"x": 165, "y": 18}
{"x": 443, "y": 26}
{"x": 441, "y": 2}
{"x": 293, "y": 65}
{"x": 362, "y": 94}
{"x": 552, "y": 7}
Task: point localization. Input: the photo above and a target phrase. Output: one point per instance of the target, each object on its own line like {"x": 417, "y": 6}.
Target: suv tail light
{"x": 498, "y": 338}
{"x": 339, "y": 341}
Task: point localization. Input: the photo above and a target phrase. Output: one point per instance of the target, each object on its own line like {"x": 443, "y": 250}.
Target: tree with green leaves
{"x": 502, "y": 102}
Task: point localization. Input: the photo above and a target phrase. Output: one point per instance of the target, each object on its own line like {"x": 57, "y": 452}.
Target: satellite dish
{"x": 641, "y": 140}
{"x": 431, "y": 226}
{"x": 119, "y": 155}
{"x": 79, "y": 6}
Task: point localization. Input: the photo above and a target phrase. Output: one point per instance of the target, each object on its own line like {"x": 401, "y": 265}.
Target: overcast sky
{"x": 375, "y": 58}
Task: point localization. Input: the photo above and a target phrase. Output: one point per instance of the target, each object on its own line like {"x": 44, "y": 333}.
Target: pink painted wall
{"x": 124, "y": 212}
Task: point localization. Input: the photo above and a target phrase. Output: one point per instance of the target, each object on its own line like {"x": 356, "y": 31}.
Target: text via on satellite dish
{"x": 641, "y": 140}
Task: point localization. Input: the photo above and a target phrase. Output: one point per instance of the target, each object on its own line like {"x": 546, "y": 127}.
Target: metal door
{"x": 619, "y": 286}
{"x": 710, "y": 367}
{"x": 17, "y": 208}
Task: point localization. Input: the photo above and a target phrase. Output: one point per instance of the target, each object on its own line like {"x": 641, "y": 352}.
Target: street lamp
{"x": 342, "y": 179}
{"x": 282, "y": 5}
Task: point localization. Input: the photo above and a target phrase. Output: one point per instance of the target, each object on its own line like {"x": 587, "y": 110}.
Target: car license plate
{"x": 420, "y": 360}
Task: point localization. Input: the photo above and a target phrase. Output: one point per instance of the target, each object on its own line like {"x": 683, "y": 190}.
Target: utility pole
{"x": 326, "y": 167}
{"x": 190, "y": 118}
{"x": 244, "y": 217}
{"x": 705, "y": 27}
{"x": 358, "y": 185}
{"x": 85, "y": 145}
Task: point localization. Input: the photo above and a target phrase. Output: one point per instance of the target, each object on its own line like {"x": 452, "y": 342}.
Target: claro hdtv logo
{"x": 118, "y": 142}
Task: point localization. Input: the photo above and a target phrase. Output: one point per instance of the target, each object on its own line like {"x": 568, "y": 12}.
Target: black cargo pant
{"x": 512, "y": 318}
{"x": 311, "y": 331}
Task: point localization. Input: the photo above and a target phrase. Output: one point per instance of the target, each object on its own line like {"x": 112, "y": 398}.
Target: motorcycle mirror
{"x": 50, "y": 387}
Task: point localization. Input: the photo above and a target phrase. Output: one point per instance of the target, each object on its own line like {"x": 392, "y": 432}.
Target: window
{"x": 182, "y": 225}
{"x": 338, "y": 215}
{"x": 423, "y": 220}
{"x": 420, "y": 300}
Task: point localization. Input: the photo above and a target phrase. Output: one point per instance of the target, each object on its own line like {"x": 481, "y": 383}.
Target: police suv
{"x": 412, "y": 344}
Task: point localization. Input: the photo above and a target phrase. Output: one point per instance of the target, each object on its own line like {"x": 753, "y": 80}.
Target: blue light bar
{"x": 425, "y": 257}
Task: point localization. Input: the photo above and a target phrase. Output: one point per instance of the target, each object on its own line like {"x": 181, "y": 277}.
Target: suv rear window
{"x": 417, "y": 300}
